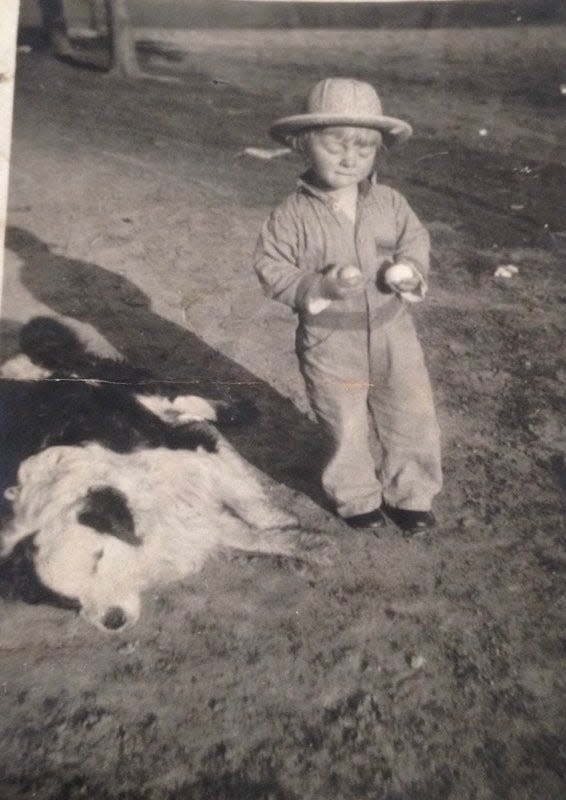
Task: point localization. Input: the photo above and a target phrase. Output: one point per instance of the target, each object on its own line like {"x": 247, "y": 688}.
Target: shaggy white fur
{"x": 185, "y": 504}
{"x": 184, "y": 408}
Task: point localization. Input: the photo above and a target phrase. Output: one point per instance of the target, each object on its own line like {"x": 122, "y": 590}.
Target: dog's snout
{"x": 114, "y": 619}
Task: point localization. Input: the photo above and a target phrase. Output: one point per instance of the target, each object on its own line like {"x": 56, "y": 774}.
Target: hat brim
{"x": 395, "y": 131}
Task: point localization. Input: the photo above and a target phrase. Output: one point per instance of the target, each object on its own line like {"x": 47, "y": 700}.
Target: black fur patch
{"x": 192, "y": 435}
{"x": 242, "y": 412}
{"x": 106, "y": 510}
{"x": 19, "y": 581}
{"x": 68, "y": 410}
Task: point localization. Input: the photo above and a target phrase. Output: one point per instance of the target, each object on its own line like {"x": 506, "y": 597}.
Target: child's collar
{"x": 306, "y": 184}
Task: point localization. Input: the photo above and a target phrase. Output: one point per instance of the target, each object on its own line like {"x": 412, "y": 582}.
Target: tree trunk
{"x": 52, "y": 17}
{"x": 98, "y": 19}
{"x": 122, "y": 45}
{"x": 55, "y": 27}
{"x": 8, "y": 35}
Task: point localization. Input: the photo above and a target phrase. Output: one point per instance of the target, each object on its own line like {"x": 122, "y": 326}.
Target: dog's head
{"x": 90, "y": 560}
{"x": 96, "y": 571}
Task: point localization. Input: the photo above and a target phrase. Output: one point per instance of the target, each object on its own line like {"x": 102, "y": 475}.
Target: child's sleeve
{"x": 413, "y": 244}
{"x": 276, "y": 261}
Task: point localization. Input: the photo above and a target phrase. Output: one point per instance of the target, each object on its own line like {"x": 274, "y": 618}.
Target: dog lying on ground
{"x": 120, "y": 487}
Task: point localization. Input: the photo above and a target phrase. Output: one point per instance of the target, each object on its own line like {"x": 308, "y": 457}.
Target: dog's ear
{"x": 19, "y": 546}
{"x": 19, "y": 581}
{"x": 106, "y": 510}
{"x": 14, "y": 538}
{"x": 29, "y": 547}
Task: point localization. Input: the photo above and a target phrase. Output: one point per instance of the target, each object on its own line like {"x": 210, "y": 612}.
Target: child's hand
{"x": 402, "y": 278}
{"x": 341, "y": 282}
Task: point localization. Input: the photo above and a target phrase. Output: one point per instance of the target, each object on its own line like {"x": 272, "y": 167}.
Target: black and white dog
{"x": 116, "y": 482}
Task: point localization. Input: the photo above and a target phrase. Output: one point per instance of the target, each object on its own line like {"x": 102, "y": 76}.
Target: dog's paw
{"x": 192, "y": 435}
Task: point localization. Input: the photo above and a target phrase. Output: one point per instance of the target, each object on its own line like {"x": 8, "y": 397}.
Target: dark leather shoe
{"x": 372, "y": 519}
{"x": 410, "y": 522}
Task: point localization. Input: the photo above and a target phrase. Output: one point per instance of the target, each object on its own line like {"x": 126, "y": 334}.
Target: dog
{"x": 118, "y": 483}
{"x": 57, "y": 392}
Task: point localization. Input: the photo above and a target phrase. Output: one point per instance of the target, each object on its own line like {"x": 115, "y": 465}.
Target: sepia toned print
{"x": 184, "y": 614}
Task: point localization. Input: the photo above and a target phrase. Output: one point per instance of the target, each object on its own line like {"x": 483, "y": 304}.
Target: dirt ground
{"x": 421, "y": 669}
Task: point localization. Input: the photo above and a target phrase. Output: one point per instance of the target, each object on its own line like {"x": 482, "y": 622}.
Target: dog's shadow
{"x": 283, "y": 443}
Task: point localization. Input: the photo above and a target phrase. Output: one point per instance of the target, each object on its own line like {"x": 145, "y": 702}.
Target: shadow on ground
{"x": 283, "y": 443}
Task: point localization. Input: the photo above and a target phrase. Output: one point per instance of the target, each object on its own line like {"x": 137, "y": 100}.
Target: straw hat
{"x": 342, "y": 101}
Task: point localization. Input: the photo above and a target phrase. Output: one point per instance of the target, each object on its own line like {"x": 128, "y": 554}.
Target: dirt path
{"x": 405, "y": 669}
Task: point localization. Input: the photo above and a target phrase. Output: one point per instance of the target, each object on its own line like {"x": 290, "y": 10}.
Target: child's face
{"x": 342, "y": 156}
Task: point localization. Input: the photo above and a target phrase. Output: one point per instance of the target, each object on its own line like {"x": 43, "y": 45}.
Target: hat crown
{"x": 342, "y": 101}
{"x": 344, "y": 97}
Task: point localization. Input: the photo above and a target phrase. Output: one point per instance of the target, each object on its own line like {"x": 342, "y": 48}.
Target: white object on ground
{"x": 264, "y": 154}
{"x": 483, "y": 131}
{"x": 506, "y": 271}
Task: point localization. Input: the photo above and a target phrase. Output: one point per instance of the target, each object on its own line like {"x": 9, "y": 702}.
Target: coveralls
{"x": 360, "y": 352}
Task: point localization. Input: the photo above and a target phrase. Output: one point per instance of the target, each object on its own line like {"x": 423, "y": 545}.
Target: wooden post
{"x": 8, "y": 38}
{"x": 123, "y": 49}
{"x": 123, "y": 44}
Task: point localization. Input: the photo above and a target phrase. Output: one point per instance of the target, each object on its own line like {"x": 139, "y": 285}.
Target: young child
{"x": 348, "y": 255}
